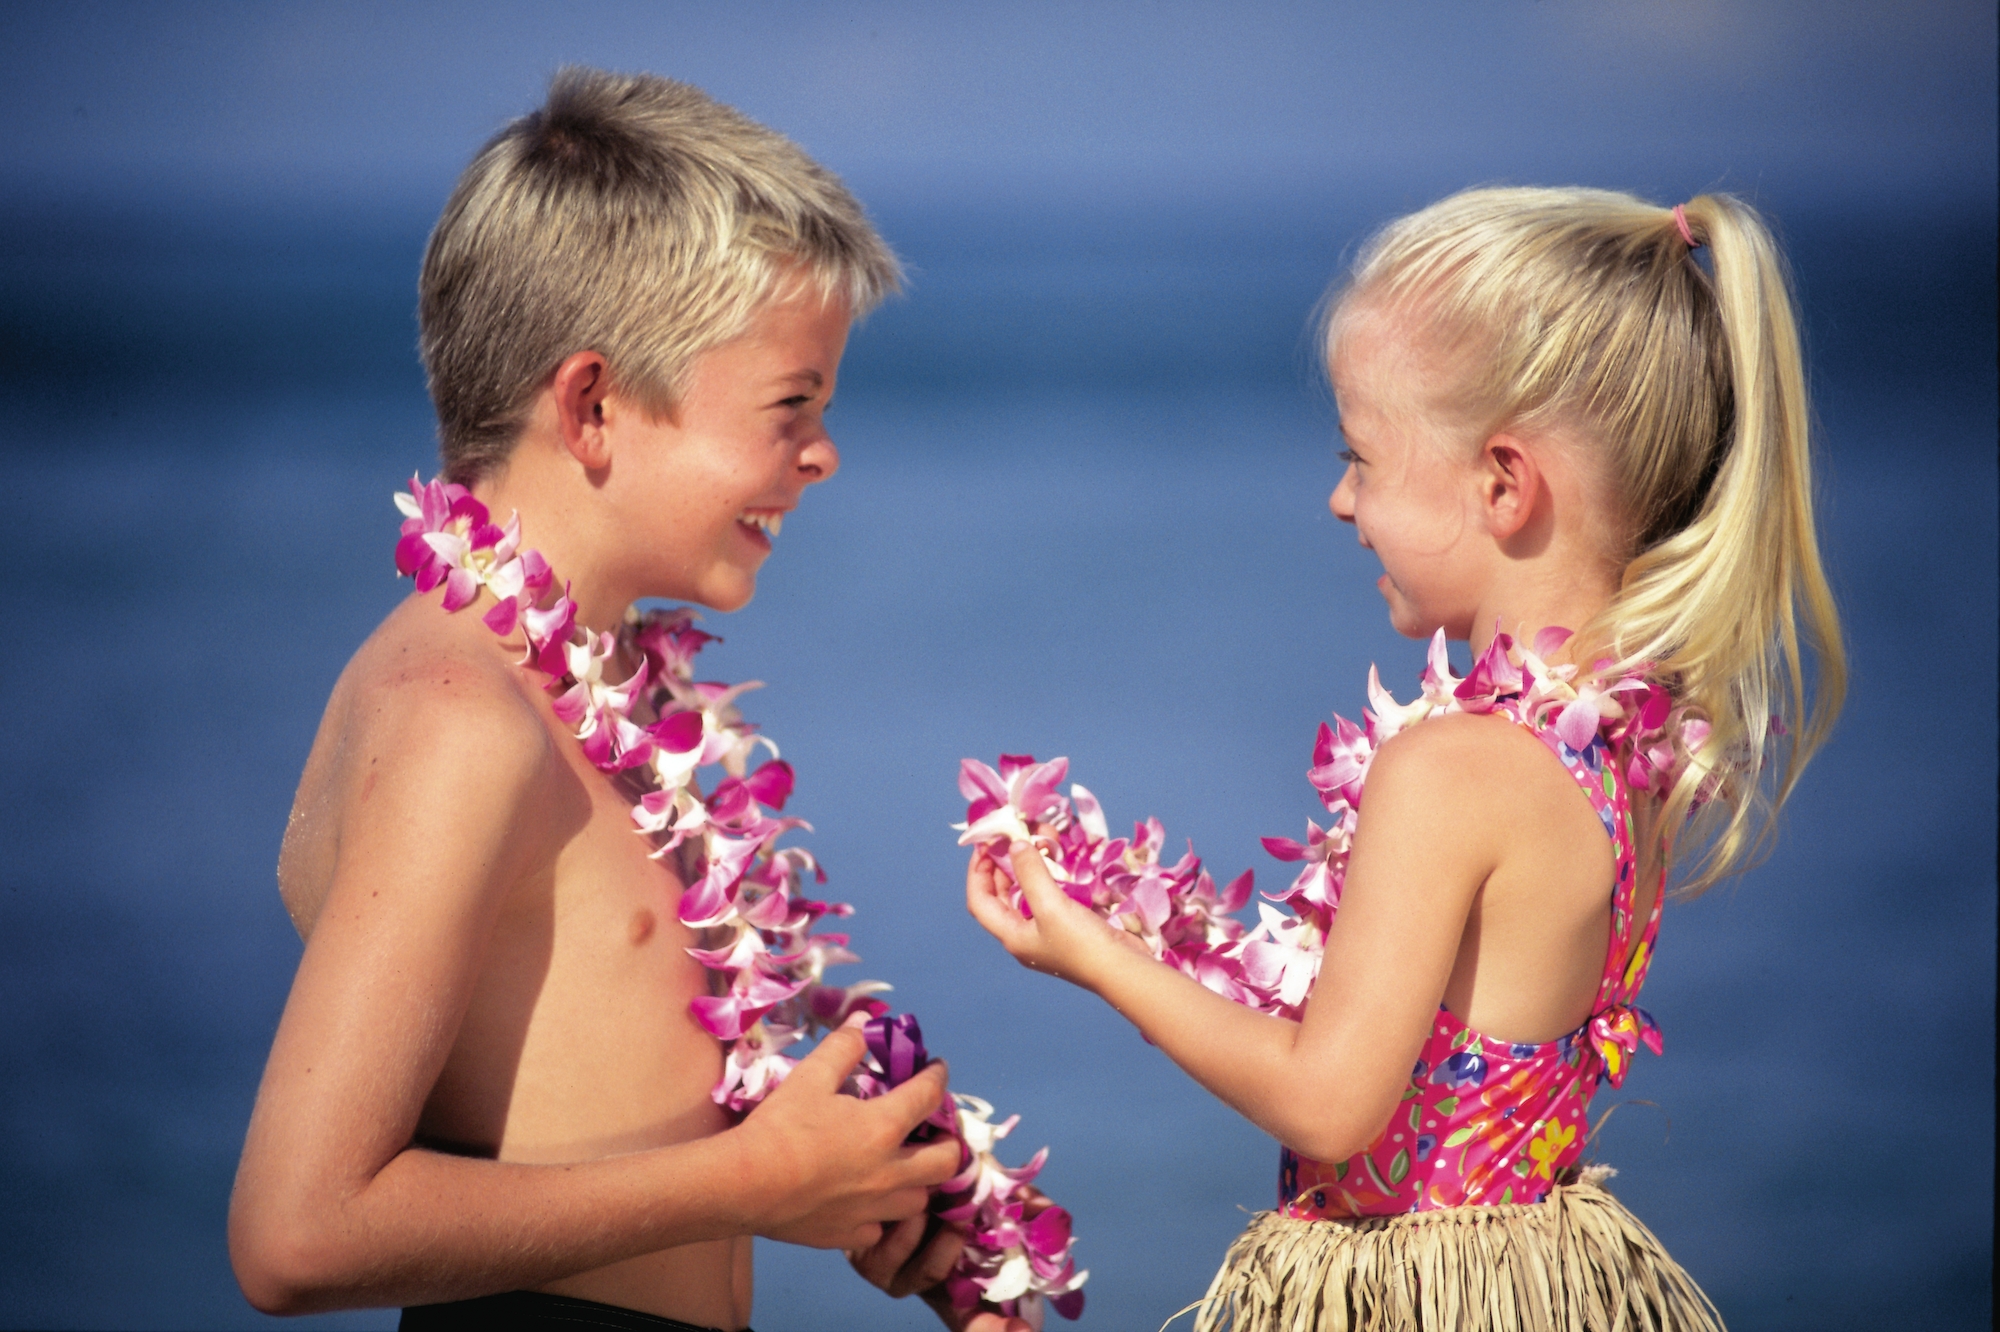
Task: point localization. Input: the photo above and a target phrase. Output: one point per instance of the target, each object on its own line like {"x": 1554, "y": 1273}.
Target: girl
{"x": 1556, "y": 419}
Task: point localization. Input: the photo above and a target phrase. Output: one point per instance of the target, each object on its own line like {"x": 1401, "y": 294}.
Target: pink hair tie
{"x": 1681, "y": 221}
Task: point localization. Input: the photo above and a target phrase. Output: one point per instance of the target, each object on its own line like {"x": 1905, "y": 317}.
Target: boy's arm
{"x": 333, "y": 1205}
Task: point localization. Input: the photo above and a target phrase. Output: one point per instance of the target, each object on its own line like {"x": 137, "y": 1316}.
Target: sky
{"x": 379, "y": 104}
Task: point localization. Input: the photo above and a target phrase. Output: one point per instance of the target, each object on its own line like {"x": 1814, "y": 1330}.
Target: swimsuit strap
{"x": 1597, "y": 774}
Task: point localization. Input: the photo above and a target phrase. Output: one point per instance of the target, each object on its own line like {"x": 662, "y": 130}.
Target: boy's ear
{"x": 1511, "y": 485}
{"x": 581, "y": 383}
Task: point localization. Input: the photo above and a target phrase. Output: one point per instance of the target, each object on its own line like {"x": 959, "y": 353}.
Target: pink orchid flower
{"x": 1385, "y": 716}
{"x": 600, "y": 711}
{"x": 1004, "y": 803}
{"x": 448, "y": 537}
{"x": 1341, "y": 754}
{"x": 549, "y": 631}
{"x": 726, "y": 738}
{"x": 669, "y": 640}
{"x": 1281, "y": 960}
{"x": 1493, "y": 677}
{"x": 755, "y": 1065}
{"x": 1325, "y": 870}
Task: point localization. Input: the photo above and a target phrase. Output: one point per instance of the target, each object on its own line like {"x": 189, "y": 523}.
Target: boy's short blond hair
{"x": 632, "y": 216}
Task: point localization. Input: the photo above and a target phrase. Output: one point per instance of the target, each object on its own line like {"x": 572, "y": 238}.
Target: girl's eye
{"x": 1348, "y": 456}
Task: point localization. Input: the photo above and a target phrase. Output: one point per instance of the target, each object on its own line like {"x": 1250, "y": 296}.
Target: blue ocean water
{"x": 1081, "y": 511}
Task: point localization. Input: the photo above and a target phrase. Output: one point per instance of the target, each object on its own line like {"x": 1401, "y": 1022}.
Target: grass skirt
{"x": 1575, "y": 1262}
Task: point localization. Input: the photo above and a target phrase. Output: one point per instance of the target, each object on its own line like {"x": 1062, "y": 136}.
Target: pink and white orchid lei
{"x": 1176, "y": 910}
{"x": 744, "y": 890}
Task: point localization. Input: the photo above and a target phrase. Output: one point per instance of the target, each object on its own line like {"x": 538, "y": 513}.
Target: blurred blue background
{"x": 1082, "y": 511}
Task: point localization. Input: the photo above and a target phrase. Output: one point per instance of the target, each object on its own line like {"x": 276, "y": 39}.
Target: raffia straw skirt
{"x": 1575, "y": 1262}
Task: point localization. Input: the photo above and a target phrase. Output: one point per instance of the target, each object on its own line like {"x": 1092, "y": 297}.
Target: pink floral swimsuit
{"x": 1488, "y": 1121}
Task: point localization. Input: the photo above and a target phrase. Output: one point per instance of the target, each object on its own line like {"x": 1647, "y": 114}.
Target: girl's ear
{"x": 581, "y": 383}
{"x": 1511, "y": 485}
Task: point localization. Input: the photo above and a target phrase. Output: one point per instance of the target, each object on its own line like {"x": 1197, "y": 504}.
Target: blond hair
{"x": 633, "y": 216}
{"x": 1586, "y": 309}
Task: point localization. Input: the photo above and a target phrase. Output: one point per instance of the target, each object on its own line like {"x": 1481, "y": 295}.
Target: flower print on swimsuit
{"x": 746, "y": 889}
{"x": 1460, "y": 1071}
{"x": 1548, "y": 1149}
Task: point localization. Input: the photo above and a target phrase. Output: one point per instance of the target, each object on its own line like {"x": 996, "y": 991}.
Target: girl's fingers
{"x": 1036, "y": 883}
{"x": 983, "y": 898}
{"x": 980, "y": 899}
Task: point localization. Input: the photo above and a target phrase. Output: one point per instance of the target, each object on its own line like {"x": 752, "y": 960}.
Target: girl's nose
{"x": 1342, "y": 499}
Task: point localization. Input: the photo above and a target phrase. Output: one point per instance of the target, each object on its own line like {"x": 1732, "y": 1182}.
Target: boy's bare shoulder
{"x": 427, "y": 722}
{"x": 422, "y": 673}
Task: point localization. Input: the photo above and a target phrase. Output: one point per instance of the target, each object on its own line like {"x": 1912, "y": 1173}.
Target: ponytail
{"x": 1732, "y": 606}
{"x": 1586, "y": 309}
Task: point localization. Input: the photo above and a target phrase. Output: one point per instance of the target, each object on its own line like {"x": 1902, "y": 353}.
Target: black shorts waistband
{"x": 533, "y": 1311}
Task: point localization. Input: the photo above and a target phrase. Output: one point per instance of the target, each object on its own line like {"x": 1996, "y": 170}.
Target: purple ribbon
{"x": 897, "y": 1046}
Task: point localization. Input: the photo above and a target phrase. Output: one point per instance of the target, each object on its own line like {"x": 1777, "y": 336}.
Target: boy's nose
{"x": 1342, "y": 499}
{"x": 819, "y": 459}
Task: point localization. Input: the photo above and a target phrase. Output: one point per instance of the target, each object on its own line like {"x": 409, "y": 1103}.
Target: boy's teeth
{"x": 773, "y": 523}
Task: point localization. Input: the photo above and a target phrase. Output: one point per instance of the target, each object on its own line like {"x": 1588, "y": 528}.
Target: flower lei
{"x": 748, "y": 889}
{"x": 1176, "y": 911}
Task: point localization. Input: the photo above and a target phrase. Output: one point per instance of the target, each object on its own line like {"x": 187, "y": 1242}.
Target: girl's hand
{"x": 1064, "y": 939}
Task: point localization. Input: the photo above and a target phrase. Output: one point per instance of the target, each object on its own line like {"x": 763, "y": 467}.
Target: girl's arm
{"x": 1438, "y": 823}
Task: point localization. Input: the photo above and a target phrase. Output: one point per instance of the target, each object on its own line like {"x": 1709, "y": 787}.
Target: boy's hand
{"x": 837, "y": 1167}
{"x": 912, "y": 1256}
{"x": 903, "y": 1263}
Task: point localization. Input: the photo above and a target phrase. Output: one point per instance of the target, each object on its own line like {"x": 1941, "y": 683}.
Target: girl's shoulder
{"x": 1479, "y": 750}
{"x": 1480, "y": 769}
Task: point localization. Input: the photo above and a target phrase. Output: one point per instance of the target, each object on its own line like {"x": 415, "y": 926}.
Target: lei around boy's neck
{"x": 679, "y": 504}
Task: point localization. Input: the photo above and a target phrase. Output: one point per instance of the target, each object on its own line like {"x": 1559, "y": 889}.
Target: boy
{"x": 487, "y": 1079}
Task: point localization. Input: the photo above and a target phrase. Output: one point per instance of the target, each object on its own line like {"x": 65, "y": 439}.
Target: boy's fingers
{"x": 911, "y": 1104}
{"x": 938, "y": 1259}
{"x": 883, "y": 1263}
{"x": 838, "y": 1054}
{"x": 934, "y": 1163}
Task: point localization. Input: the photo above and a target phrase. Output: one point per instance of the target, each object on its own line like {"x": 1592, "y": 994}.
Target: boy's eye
{"x": 796, "y": 400}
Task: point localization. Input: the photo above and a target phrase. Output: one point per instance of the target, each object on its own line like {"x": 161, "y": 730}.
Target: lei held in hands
{"x": 1176, "y": 911}
{"x": 745, "y": 890}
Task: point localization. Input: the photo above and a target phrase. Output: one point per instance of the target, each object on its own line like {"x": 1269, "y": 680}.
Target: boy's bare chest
{"x": 578, "y": 1042}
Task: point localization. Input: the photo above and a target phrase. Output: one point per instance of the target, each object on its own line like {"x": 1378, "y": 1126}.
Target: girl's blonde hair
{"x": 1586, "y": 309}
{"x": 630, "y": 215}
